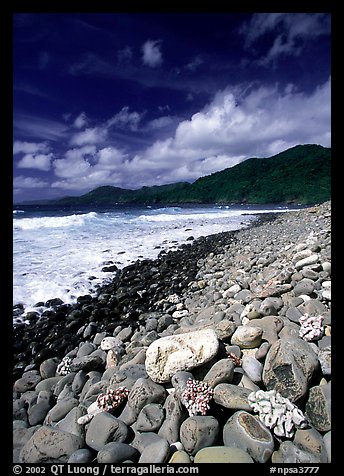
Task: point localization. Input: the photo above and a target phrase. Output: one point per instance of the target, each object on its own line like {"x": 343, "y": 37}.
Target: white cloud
{"x": 264, "y": 122}
{"x": 30, "y": 147}
{"x": 80, "y": 121}
{"x": 152, "y": 55}
{"x": 125, "y": 119}
{"x": 38, "y": 161}
{"x": 237, "y": 124}
{"x": 91, "y": 135}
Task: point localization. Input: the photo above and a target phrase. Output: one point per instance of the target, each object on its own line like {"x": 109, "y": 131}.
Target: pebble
{"x": 229, "y": 305}
{"x": 150, "y": 417}
{"x": 198, "y": 432}
{"x": 222, "y": 454}
{"x": 247, "y": 337}
{"x": 48, "y": 445}
{"x": 232, "y": 396}
{"x": 115, "y": 452}
{"x": 157, "y": 452}
{"x": 246, "y": 432}
{"x": 104, "y": 428}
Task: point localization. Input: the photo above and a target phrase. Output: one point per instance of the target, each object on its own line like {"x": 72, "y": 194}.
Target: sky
{"x": 141, "y": 99}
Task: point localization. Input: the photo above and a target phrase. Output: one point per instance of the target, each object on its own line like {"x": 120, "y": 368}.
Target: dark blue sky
{"x": 133, "y": 99}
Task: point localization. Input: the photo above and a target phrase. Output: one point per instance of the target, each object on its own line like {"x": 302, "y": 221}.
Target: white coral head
{"x": 277, "y": 412}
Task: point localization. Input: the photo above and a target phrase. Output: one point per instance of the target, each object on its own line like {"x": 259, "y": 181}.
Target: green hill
{"x": 301, "y": 174}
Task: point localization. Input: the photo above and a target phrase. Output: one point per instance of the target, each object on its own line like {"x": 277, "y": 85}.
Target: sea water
{"x": 60, "y": 252}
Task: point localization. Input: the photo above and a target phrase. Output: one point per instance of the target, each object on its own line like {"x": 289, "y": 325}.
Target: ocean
{"x": 60, "y": 252}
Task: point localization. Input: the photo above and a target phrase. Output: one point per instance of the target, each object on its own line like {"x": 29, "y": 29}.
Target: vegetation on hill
{"x": 301, "y": 174}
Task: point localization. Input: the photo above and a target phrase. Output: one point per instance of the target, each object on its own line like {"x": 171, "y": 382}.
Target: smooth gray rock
{"x": 157, "y": 452}
{"x": 221, "y": 372}
{"x": 247, "y": 337}
{"x": 232, "y": 397}
{"x": 104, "y": 428}
{"x": 179, "y": 381}
{"x": 48, "y": 383}
{"x": 60, "y": 410}
{"x": 198, "y": 432}
{"x": 86, "y": 348}
{"x": 246, "y": 432}
{"x": 115, "y": 452}
{"x": 288, "y": 452}
{"x": 37, "y": 413}
{"x": 128, "y": 374}
{"x": 311, "y": 440}
{"x": 222, "y": 454}
{"x": 289, "y": 366}
{"x": 142, "y": 440}
{"x": 253, "y": 368}
{"x": 84, "y": 455}
{"x": 79, "y": 381}
{"x": 144, "y": 391}
{"x": 70, "y": 422}
{"x": 150, "y": 417}
{"x": 48, "y": 367}
{"x": 28, "y": 381}
{"x": 48, "y": 445}
{"x": 270, "y": 325}
{"x": 176, "y": 413}
{"x": 86, "y": 363}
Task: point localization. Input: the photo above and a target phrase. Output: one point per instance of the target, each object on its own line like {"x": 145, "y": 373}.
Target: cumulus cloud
{"x": 238, "y": 123}
{"x": 91, "y": 135}
{"x": 263, "y": 122}
{"x": 152, "y": 55}
{"x": 87, "y": 167}
{"x": 30, "y": 147}
{"x": 38, "y": 161}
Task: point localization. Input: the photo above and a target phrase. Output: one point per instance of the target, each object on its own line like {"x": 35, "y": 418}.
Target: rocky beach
{"x": 219, "y": 352}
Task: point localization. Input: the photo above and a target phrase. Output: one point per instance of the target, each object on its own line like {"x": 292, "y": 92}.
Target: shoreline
{"x": 21, "y": 308}
{"x": 210, "y": 281}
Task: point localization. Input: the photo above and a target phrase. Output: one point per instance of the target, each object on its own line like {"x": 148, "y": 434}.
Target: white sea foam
{"x": 62, "y": 254}
{"x": 52, "y": 222}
